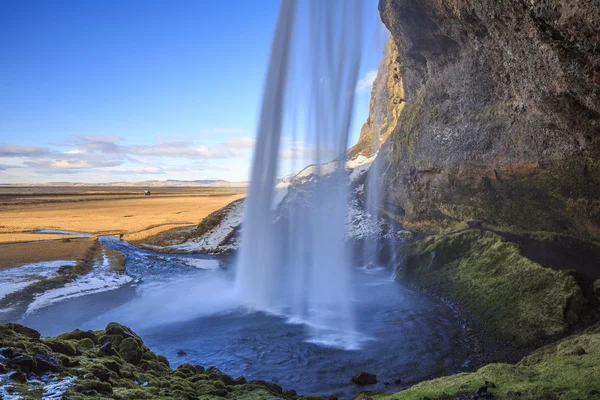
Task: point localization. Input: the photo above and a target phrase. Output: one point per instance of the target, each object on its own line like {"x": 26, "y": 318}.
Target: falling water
{"x": 299, "y": 266}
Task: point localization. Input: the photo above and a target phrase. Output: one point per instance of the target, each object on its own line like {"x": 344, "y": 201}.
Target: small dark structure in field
{"x": 147, "y": 192}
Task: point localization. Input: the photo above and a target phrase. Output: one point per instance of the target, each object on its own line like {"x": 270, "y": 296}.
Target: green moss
{"x": 130, "y": 350}
{"x": 516, "y": 298}
{"x": 568, "y": 369}
{"x": 93, "y": 387}
{"x": 61, "y": 346}
{"x": 85, "y": 344}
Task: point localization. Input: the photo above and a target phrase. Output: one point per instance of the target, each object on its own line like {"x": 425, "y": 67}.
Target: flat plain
{"x": 122, "y": 211}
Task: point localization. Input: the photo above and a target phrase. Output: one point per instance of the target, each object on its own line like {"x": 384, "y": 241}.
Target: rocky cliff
{"x": 387, "y": 102}
{"x": 502, "y": 116}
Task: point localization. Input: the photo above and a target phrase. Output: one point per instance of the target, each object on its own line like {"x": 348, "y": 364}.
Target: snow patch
{"x": 200, "y": 263}
{"x": 101, "y": 279}
{"x": 211, "y": 240}
{"x": 360, "y": 224}
{"x": 15, "y": 279}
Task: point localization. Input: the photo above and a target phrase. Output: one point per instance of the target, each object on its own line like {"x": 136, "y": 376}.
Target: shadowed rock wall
{"x": 502, "y": 115}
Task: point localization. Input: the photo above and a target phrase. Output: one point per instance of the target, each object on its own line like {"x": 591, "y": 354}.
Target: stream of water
{"x": 182, "y": 302}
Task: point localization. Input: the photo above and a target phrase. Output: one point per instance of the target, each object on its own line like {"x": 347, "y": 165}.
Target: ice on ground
{"x": 101, "y": 279}
{"x": 200, "y": 263}
{"x": 54, "y": 388}
{"x": 360, "y": 224}
{"x": 18, "y": 278}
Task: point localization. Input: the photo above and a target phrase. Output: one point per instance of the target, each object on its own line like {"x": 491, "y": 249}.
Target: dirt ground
{"x": 126, "y": 212}
{"x": 14, "y": 254}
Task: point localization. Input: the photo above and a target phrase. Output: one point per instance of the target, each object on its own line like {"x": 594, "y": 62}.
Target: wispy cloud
{"x": 366, "y": 82}
{"x": 109, "y": 154}
{"x": 15, "y": 150}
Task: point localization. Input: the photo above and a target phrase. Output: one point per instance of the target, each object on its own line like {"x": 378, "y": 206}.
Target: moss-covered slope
{"x": 515, "y": 298}
{"x": 569, "y": 369}
{"x": 112, "y": 363}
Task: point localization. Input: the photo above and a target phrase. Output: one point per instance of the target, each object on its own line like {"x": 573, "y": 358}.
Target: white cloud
{"x": 15, "y": 150}
{"x": 366, "y": 82}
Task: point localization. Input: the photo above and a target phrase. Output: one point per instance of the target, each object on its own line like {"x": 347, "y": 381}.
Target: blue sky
{"x": 101, "y": 91}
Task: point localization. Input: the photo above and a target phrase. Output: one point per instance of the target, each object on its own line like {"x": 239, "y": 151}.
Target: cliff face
{"x": 502, "y": 116}
{"x": 387, "y": 102}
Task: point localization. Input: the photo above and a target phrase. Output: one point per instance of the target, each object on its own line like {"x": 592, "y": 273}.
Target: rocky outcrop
{"x": 502, "y": 116}
{"x": 387, "y": 102}
{"x": 514, "y": 297}
{"x": 112, "y": 363}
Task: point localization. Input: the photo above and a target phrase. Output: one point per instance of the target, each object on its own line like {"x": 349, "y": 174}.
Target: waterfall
{"x": 299, "y": 266}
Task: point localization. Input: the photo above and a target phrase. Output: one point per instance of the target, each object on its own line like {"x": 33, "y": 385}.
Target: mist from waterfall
{"x": 299, "y": 266}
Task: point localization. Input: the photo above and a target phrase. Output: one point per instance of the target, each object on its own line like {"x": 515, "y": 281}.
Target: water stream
{"x": 177, "y": 304}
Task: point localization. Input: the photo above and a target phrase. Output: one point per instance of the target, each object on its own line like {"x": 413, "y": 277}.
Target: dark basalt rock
{"x": 44, "y": 363}
{"x": 22, "y": 362}
{"x": 18, "y": 376}
{"x": 364, "y": 378}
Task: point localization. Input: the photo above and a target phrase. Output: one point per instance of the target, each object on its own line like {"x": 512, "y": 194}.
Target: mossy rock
{"x": 78, "y": 334}
{"x": 515, "y": 298}
{"x": 565, "y": 370}
{"x": 22, "y": 330}
{"x": 92, "y": 387}
{"x": 115, "y": 340}
{"x": 130, "y": 350}
{"x": 163, "y": 360}
{"x": 85, "y": 344}
{"x": 62, "y": 346}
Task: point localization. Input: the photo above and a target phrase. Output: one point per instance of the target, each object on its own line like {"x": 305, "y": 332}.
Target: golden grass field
{"x": 97, "y": 210}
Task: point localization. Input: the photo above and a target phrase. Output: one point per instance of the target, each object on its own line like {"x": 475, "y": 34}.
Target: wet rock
{"x": 105, "y": 347}
{"x": 240, "y": 380}
{"x": 22, "y": 362}
{"x": 364, "y": 378}
{"x": 181, "y": 353}
{"x": 18, "y": 376}
{"x": 46, "y": 363}
{"x": 9, "y": 352}
{"x": 290, "y": 393}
